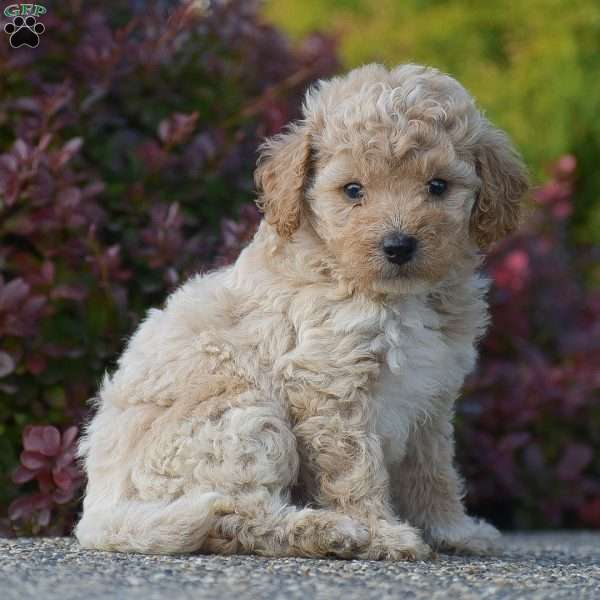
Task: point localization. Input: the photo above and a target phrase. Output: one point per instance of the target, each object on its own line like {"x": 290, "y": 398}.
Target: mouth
{"x": 405, "y": 271}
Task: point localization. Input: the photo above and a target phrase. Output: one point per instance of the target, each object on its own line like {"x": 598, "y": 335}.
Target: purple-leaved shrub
{"x": 127, "y": 145}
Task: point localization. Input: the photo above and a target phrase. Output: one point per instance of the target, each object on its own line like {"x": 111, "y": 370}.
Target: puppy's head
{"x": 397, "y": 173}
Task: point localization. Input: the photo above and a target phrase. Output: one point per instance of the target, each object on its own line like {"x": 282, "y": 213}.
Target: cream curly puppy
{"x": 300, "y": 402}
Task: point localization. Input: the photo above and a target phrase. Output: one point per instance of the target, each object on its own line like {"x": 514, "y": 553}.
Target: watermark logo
{"x": 25, "y": 29}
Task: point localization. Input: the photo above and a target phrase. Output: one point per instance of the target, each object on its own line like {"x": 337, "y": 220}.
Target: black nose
{"x": 399, "y": 248}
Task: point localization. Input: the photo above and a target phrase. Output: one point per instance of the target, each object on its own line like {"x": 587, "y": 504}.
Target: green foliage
{"x": 533, "y": 66}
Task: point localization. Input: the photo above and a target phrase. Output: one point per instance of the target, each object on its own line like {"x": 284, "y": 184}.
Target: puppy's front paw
{"x": 469, "y": 536}
{"x": 346, "y": 537}
{"x": 323, "y": 533}
{"x": 395, "y": 541}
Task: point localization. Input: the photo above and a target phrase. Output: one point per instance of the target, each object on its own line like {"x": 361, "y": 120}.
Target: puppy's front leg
{"x": 344, "y": 470}
{"x": 428, "y": 491}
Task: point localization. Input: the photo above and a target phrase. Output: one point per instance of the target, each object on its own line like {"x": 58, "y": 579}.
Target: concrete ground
{"x": 545, "y": 566}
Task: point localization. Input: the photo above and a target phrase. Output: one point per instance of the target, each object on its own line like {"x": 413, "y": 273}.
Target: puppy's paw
{"x": 320, "y": 533}
{"x": 347, "y": 537}
{"x": 469, "y": 536}
{"x": 395, "y": 541}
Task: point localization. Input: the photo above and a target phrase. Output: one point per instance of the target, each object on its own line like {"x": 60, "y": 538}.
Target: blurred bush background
{"x": 127, "y": 145}
{"x": 532, "y": 66}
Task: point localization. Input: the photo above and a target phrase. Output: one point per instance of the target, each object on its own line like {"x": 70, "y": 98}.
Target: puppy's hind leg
{"x": 268, "y": 526}
{"x": 249, "y": 454}
{"x": 209, "y": 522}
{"x": 212, "y": 477}
{"x": 181, "y": 525}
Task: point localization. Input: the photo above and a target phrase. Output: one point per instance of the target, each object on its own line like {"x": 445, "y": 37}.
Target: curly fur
{"x": 300, "y": 401}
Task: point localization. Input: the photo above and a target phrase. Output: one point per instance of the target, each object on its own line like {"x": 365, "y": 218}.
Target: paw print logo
{"x": 24, "y": 32}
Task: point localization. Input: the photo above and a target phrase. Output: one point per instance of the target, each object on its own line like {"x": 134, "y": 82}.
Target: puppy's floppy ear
{"x": 281, "y": 177}
{"x": 504, "y": 181}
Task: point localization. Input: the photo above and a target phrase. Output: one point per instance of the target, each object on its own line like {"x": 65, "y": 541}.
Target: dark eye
{"x": 354, "y": 191}
{"x": 437, "y": 187}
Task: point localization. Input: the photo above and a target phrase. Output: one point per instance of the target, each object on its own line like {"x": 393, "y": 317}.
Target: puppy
{"x": 300, "y": 402}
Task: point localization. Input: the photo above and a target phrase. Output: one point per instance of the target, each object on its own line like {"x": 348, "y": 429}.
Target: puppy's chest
{"x": 422, "y": 366}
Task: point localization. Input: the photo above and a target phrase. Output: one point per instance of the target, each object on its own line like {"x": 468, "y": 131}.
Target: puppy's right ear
{"x": 281, "y": 177}
{"x": 504, "y": 182}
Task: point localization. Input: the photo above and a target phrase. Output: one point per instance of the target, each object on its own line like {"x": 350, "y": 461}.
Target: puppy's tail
{"x": 149, "y": 527}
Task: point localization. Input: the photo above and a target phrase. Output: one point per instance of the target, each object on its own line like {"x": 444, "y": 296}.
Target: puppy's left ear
{"x": 504, "y": 182}
{"x": 281, "y": 177}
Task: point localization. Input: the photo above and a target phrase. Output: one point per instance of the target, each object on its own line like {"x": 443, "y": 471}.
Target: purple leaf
{"x": 62, "y": 479}
{"x": 63, "y": 496}
{"x": 23, "y": 475}
{"x": 33, "y": 460}
{"x": 13, "y": 293}
{"x": 7, "y": 364}
{"x": 69, "y": 437}
{"x": 21, "y": 508}
{"x": 576, "y": 457}
{"x": 21, "y": 149}
{"x": 43, "y": 439}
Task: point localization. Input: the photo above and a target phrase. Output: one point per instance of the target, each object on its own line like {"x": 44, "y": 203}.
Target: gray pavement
{"x": 544, "y": 566}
